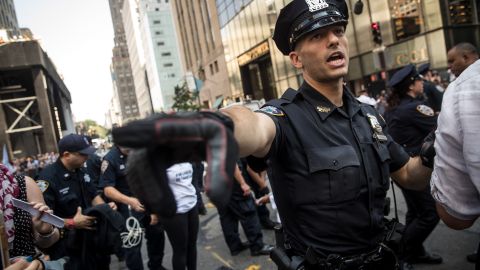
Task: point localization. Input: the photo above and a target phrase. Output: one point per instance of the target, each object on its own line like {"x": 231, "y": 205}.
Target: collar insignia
{"x": 323, "y": 109}
{"x": 316, "y": 5}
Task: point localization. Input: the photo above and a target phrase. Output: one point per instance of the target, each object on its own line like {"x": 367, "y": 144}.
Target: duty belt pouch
{"x": 394, "y": 235}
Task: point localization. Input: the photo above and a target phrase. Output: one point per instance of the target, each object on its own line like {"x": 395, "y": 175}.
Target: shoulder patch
{"x": 104, "y": 166}
{"x": 272, "y": 111}
{"x": 425, "y": 110}
{"x": 43, "y": 185}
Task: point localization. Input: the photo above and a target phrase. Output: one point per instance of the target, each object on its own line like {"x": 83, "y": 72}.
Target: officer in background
{"x": 68, "y": 189}
{"x": 242, "y": 208}
{"x": 410, "y": 121}
{"x": 430, "y": 91}
{"x": 115, "y": 188}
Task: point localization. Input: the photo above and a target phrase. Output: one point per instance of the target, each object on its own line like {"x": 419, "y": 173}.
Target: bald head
{"x": 460, "y": 57}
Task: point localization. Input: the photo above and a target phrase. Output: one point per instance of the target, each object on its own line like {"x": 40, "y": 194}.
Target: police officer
{"x": 242, "y": 208}
{"x": 433, "y": 96}
{"x": 68, "y": 189}
{"x": 409, "y": 121}
{"x": 329, "y": 157}
{"x": 115, "y": 187}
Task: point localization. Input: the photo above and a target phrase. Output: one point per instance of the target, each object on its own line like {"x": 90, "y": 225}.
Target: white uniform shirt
{"x": 180, "y": 181}
{"x": 455, "y": 180}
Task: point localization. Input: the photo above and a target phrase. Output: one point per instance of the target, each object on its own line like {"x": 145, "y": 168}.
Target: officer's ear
{"x": 296, "y": 59}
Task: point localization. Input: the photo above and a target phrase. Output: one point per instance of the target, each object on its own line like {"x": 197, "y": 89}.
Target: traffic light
{"x": 376, "y": 33}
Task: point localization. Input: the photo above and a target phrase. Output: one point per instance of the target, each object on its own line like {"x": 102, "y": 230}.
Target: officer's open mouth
{"x": 336, "y": 57}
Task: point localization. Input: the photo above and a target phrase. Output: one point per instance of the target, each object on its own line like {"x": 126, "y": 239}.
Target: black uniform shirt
{"x": 92, "y": 165}
{"x": 410, "y": 122}
{"x": 329, "y": 176}
{"x": 65, "y": 190}
{"x": 113, "y": 171}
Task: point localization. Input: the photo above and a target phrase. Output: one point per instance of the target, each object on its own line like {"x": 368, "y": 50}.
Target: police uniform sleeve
{"x": 424, "y": 117}
{"x": 398, "y": 156}
{"x": 107, "y": 174}
{"x": 47, "y": 186}
{"x": 279, "y": 118}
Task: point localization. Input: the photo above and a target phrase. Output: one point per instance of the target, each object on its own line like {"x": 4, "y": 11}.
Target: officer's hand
{"x": 166, "y": 139}
{"x": 427, "y": 152}
{"x": 153, "y": 219}
{"x": 246, "y": 189}
{"x": 263, "y": 200}
{"x": 136, "y": 205}
{"x": 38, "y": 225}
{"x": 113, "y": 206}
{"x": 81, "y": 221}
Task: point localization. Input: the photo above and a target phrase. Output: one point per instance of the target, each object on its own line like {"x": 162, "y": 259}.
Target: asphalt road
{"x": 213, "y": 253}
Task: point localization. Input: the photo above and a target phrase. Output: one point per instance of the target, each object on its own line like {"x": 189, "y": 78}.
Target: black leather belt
{"x": 337, "y": 262}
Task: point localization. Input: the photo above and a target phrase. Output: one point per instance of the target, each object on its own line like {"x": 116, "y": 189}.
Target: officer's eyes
{"x": 339, "y": 31}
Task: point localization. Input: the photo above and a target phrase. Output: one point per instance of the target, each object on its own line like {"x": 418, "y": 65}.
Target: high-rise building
{"x": 8, "y": 16}
{"x": 131, "y": 23}
{"x": 163, "y": 67}
{"x": 202, "y": 49}
{"x": 122, "y": 72}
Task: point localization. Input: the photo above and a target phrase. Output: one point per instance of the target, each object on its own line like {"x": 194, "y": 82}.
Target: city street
{"x": 213, "y": 252}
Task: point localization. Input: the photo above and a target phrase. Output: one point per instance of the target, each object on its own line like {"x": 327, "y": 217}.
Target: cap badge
{"x": 315, "y": 5}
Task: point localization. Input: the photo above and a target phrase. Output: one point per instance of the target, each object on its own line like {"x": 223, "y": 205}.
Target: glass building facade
{"x": 412, "y": 31}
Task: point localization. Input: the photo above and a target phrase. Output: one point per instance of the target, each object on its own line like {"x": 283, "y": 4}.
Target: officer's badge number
{"x": 425, "y": 110}
{"x": 272, "y": 111}
{"x": 43, "y": 185}
{"x": 104, "y": 166}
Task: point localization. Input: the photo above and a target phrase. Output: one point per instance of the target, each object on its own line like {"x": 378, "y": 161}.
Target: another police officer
{"x": 329, "y": 157}
{"x": 115, "y": 187}
{"x": 433, "y": 96}
{"x": 242, "y": 208}
{"x": 68, "y": 189}
{"x": 410, "y": 121}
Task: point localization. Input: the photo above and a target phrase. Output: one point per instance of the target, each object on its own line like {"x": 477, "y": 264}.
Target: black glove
{"x": 427, "y": 152}
{"x": 182, "y": 137}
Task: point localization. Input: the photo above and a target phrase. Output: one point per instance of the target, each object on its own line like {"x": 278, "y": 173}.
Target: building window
{"x": 157, "y": 9}
{"x": 156, "y": 22}
{"x": 160, "y": 43}
{"x": 158, "y": 33}
{"x": 211, "y": 69}
{"x": 168, "y": 65}
{"x": 216, "y": 66}
{"x": 166, "y": 54}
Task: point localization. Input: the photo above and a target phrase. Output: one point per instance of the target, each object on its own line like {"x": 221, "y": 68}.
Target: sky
{"x": 78, "y": 37}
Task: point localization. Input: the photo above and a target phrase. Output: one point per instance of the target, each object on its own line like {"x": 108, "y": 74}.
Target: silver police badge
{"x": 316, "y": 5}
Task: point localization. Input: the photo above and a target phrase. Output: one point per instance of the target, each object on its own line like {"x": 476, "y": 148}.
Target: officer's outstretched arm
{"x": 254, "y": 132}
{"x": 413, "y": 175}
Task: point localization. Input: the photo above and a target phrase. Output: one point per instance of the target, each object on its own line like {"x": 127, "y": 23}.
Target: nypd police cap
{"x": 406, "y": 73}
{"x": 301, "y": 17}
{"x": 422, "y": 69}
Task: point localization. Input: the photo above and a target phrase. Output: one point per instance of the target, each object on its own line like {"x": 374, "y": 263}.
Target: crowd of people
{"x": 329, "y": 160}
{"x": 32, "y": 165}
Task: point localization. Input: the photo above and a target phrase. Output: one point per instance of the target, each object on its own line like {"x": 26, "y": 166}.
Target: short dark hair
{"x": 467, "y": 48}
